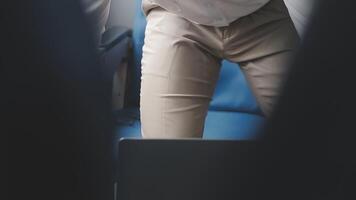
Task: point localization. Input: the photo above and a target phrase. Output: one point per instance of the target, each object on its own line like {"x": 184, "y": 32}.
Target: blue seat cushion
{"x": 128, "y": 123}
{"x": 232, "y": 92}
{"x": 219, "y": 125}
{"x": 232, "y": 125}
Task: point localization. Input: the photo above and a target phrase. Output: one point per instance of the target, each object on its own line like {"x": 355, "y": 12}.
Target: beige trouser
{"x": 181, "y": 63}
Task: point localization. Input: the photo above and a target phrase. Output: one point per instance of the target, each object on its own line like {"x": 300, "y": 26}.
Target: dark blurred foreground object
{"x": 55, "y": 102}
{"x": 189, "y": 169}
{"x": 309, "y": 148}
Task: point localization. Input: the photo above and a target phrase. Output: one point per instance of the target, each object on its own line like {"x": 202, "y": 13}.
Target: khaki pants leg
{"x": 179, "y": 72}
{"x": 181, "y": 63}
{"x": 263, "y": 43}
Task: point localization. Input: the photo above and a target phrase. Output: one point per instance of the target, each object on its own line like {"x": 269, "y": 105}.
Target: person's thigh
{"x": 178, "y": 78}
{"x": 266, "y": 77}
{"x": 263, "y": 43}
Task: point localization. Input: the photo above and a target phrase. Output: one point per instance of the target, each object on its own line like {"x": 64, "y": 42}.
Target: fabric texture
{"x": 181, "y": 63}
{"x": 207, "y": 12}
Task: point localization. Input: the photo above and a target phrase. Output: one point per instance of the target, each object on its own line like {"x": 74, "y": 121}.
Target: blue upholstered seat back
{"x": 232, "y": 92}
{"x": 138, "y": 35}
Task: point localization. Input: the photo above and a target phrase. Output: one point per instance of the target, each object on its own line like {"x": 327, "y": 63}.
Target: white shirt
{"x": 210, "y": 12}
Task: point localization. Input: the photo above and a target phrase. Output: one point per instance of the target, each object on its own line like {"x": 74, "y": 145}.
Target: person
{"x": 185, "y": 42}
{"x": 97, "y": 13}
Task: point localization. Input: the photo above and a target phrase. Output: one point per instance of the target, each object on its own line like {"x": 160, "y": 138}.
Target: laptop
{"x": 185, "y": 169}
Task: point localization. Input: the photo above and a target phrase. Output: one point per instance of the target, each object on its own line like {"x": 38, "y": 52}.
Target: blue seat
{"x": 233, "y": 112}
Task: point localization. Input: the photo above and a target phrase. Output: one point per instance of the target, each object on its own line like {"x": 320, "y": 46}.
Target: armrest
{"x": 113, "y": 36}
{"x": 114, "y": 52}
